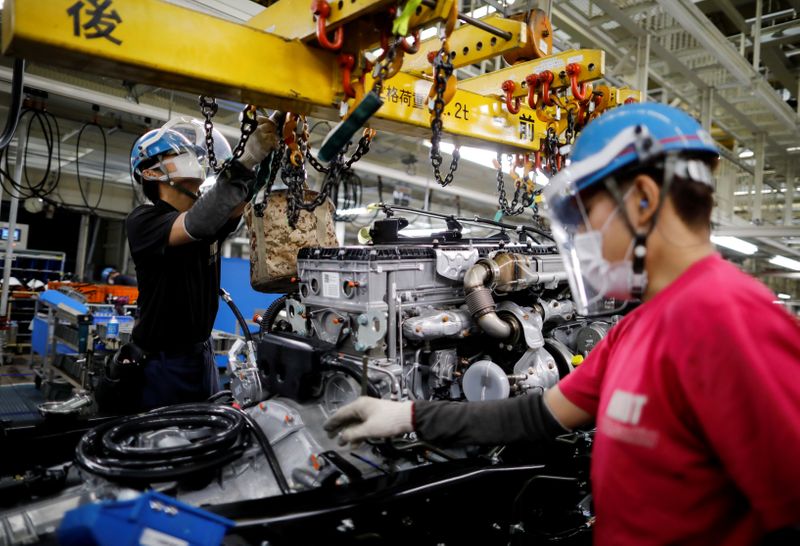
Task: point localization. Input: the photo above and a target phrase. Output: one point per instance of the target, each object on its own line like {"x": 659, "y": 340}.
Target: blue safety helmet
{"x": 155, "y": 143}
{"x": 626, "y": 137}
{"x": 671, "y": 130}
{"x": 106, "y": 273}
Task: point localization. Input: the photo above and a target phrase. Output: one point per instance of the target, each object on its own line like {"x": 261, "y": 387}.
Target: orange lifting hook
{"x": 511, "y": 103}
{"x": 322, "y": 10}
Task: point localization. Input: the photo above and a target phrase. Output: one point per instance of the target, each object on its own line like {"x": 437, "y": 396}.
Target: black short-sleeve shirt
{"x": 178, "y": 285}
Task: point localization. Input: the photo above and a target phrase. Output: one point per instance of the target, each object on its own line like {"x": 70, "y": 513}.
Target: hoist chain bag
{"x": 274, "y": 244}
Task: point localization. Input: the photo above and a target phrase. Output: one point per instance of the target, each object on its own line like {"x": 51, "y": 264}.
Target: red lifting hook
{"x": 579, "y": 92}
{"x": 347, "y": 62}
{"x": 532, "y": 81}
{"x": 546, "y": 78}
{"x": 322, "y": 10}
{"x": 511, "y": 103}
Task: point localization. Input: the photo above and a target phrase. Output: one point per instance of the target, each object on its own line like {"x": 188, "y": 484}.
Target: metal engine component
{"x": 589, "y": 336}
{"x": 504, "y": 272}
{"x": 436, "y": 324}
{"x": 245, "y": 377}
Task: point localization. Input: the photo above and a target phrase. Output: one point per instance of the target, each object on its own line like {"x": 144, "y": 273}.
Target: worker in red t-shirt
{"x": 695, "y": 394}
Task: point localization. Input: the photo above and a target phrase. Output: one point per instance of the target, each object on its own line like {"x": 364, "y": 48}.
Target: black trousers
{"x": 171, "y": 378}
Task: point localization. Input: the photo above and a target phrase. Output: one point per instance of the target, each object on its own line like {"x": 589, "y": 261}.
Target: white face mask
{"x": 610, "y": 280}
{"x": 184, "y": 166}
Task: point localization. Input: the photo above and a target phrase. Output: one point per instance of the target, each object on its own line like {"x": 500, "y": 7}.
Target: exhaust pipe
{"x": 504, "y": 272}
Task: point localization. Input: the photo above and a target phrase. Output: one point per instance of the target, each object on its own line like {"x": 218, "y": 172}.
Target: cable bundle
{"x": 51, "y": 132}
{"x": 109, "y": 451}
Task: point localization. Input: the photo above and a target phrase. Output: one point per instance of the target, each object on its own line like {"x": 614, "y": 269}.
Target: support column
{"x": 706, "y": 108}
{"x": 788, "y": 196}
{"x": 757, "y": 35}
{"x": 758, "y": 179}
{"x": 8, "y": 248}
{"x": 83, "y": 243}
{"x": 642, "y": 64}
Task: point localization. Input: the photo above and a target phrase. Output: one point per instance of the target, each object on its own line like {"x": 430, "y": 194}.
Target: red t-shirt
{"x": 697, "y": 402}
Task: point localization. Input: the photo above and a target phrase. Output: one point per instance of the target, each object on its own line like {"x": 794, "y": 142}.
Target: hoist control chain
{"x": 442, "y": 70}
{"x": 208, "y": 108}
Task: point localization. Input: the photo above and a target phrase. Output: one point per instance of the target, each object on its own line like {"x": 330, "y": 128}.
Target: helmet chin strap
{"x": 640, "y": 238}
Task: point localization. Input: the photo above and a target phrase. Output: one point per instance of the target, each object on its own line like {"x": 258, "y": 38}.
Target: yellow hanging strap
{"x": 400, "y": 25}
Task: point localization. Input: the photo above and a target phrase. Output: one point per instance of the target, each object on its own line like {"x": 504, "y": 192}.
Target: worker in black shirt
{"x": 174, "y": 242}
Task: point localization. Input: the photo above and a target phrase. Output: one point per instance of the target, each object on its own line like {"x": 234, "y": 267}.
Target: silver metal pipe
{"x": 478, "y": 301}
{"x": 12, "y": 226}
{"x": 495, "y": 326}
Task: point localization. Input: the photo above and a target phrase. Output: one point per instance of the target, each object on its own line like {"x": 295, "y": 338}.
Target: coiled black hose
{"x": 107, "y": 451}
{"x": 17, "y": 81}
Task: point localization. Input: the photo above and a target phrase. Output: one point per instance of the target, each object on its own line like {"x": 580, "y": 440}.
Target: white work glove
{"x": 263, "y": 140}
{"x": 370, "y": 418}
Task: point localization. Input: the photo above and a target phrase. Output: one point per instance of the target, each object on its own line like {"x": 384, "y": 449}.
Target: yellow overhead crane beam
{"x": 292, "y": 19}
{"x": 207, "y": 55}
{"x": 470, "y": 45}
{"x": 591, "y": 61}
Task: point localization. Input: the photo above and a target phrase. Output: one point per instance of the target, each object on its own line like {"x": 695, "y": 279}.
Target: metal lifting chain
{"x": 442, "y": 69}
{"x": 551, "y": 146}
{"x": 294, "y": 176}
{"x": 362, "y": 149}
{"x": 522, "y": 198}
{"x": 569, "y": 134}
{"x": 208, "y": 108}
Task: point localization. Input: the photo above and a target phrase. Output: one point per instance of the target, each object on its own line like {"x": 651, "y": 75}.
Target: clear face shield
{"x": 592, "y": 279}
{"x": 184, "y": 167}
{"x": 568, "y": 219}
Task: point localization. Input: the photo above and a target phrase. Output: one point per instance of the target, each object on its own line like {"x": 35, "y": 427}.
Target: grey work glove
{"x": 370, "y": 418}
{"x": 263, "y": 140}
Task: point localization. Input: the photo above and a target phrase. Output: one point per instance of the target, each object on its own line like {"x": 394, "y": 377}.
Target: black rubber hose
{"x": 17, "y": 82}
{"x": 226, "y": 297}
{"x": 269, "y": 316}
{"x": 272, "y": 459}
{"x": 106, "y": 450}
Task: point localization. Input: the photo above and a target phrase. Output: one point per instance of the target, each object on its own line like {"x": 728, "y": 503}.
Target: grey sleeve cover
{"x": 213, "y": 209}
{"x": 514, "y": 420}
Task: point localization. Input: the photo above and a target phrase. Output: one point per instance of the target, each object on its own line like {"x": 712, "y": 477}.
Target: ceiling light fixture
{"x": 788, "y": 263}
{"x": 734, "y": 243}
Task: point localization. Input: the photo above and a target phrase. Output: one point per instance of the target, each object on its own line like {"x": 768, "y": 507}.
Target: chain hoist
{"x": 523, "y": 195}
{"x": 442, "y": 70}
{"x": 208, "y": 108}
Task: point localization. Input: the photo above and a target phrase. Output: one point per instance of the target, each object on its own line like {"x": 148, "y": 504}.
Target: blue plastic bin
{"x": 151, "y": 519}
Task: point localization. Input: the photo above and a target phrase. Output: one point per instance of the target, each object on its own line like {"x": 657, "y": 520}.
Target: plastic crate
{"x": 150, "y": 519}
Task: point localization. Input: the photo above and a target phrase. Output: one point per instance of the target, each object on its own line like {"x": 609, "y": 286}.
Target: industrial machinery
{"x": 444, "y": 317}
{"x": 441, "y": 318}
